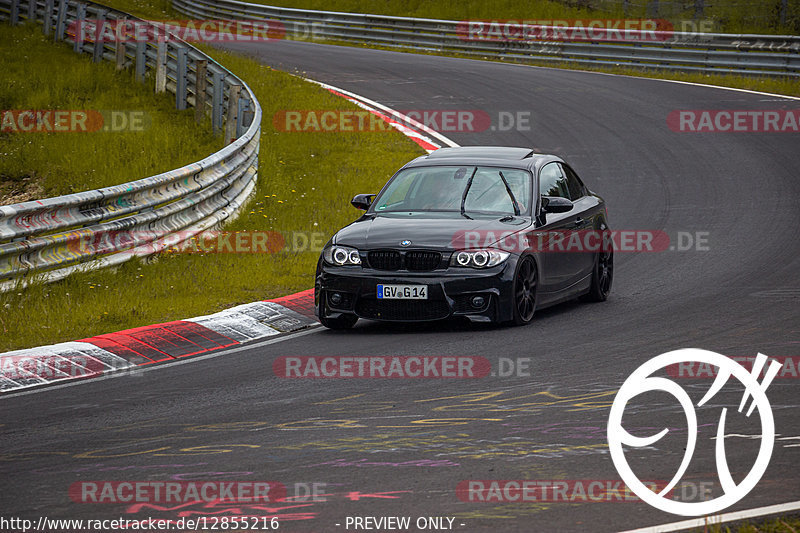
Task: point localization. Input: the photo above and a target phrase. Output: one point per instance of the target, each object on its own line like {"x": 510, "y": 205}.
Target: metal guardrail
{"x": 766, "y": 55}
{"x": 54, "y": 237}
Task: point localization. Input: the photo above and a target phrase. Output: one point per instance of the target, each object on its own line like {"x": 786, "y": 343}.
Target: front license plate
{"x": 403, "y": 292}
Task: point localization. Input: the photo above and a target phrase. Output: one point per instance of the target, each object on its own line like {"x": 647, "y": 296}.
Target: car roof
{"x": 510, "y": 156}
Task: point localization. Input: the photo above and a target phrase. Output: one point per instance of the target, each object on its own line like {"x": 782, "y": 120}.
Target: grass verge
{"x": 305, "y": 183}
{"x": 152, "y": 136}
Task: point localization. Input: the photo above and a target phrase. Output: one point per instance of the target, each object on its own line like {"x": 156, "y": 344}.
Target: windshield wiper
{"x": 510, "y": 194}
{"x": 466, "y": 191}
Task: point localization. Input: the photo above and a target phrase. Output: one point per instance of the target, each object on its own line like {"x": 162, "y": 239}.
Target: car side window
{"x": 400, "y": 195}
{"x": 576, "y": 187}
{"x": 552, "y": 181}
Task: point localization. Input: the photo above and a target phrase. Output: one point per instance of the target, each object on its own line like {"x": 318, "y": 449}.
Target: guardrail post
{"x": 141, "y": 60}
{"x": 14, "y": 19}
{"x": 48, "y": 16}
{"x": 233, "y": 113}
{"x": 200, "y": 84}
{"x": 784, "y": 8}
{"x": 80, "y": 25}
{"x": 699, "y": 7}
{"x": 217, "y": 79}
{"x": 180, "y": 78}
{"x": 60, "y": 21}
{"x": 244, "y": 117}
{"x": 32, "y": 10}
{"x": 121, "y": 47}
{"x": 161, "y": 65}
{"x": 239, "y": 111}
{"x": 99, "y": 43}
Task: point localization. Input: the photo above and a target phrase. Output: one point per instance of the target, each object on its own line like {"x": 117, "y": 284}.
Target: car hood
{"x": 425, "y": 230}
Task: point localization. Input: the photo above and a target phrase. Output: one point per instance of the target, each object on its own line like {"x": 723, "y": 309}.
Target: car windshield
{"x": 464, "y": 189}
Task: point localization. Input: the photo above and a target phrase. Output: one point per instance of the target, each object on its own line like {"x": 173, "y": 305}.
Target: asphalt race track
{"x": 397, "y": 447}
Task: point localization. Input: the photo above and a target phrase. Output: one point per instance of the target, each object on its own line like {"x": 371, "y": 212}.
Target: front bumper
{"x": 450, "y": 293}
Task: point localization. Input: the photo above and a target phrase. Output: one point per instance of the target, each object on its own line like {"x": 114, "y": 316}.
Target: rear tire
{"x": 602, "y": 276}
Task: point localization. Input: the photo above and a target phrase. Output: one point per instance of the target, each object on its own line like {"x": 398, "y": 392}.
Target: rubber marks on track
{"x": 124, "y": 350}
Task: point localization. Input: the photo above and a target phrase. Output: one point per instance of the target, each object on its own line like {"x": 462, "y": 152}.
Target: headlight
{"x": 341, "y": 256}
{"x": 478, "y": 258}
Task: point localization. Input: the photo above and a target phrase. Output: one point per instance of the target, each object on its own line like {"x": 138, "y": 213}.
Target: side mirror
{"x": 556, "y": 204}
{"x": 362, "y": 201}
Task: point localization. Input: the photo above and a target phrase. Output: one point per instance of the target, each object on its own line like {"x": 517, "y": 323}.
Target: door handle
{"x": 579, "y": 222}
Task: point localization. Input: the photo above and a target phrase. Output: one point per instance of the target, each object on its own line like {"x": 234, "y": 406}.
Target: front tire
{"x": 526, "y": 282}
{"x": 602, "y": 276}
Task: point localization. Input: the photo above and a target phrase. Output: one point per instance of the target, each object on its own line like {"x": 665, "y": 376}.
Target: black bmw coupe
{"x": 487, "y": 233}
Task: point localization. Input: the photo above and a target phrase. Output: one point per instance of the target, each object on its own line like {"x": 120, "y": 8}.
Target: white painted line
{"x": 694, "y": 83}
{"x": 395, "y": 119}
{"x": 708, "y": 85}
{"x": 730, "y": 88}
{"x": 391, "y": 112}
{"x": 141, "y": 369}
{"x": 719, "y": 519}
